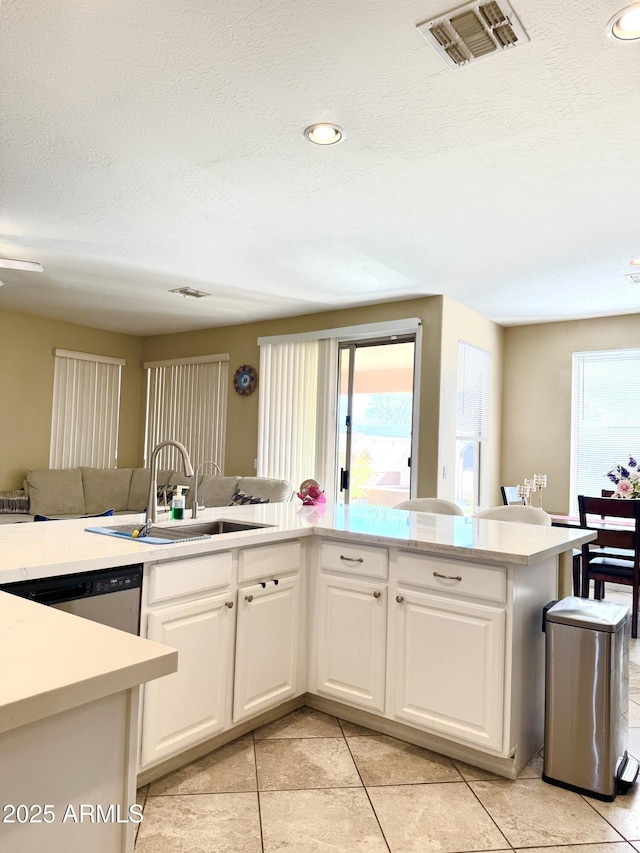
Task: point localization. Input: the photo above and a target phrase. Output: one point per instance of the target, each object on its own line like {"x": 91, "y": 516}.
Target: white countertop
{"x": 42, "y": 549}
{"x": 51, "y": 661}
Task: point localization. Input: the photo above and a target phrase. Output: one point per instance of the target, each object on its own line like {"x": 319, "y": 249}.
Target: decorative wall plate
{"x": 244, "y": 380}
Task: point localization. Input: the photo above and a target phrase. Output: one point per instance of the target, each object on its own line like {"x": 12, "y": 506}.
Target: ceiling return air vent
{"x": 473, "y": 31}
{"x": 189, "y": 292}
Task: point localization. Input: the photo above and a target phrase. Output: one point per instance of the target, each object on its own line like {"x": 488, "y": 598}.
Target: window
{"x": 298, "y": 388}
{"x": 187, "y": 401}
{"x": 472, "y": 421}
{"x": 86, "y": 409}
{"x": 605, "y": 417}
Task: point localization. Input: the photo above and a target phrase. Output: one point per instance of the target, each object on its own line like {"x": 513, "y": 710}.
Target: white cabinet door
{"x": 193, "y": 703}
{"x": 449, "y": 667}
{"x": 267, "y": 644}
{"x": 351, "y": 641}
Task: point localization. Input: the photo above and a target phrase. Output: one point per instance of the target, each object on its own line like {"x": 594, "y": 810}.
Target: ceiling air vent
{"x": 633, "y": 277}
{"x": 190, "y": 292}
{"x": 470, "y": 32}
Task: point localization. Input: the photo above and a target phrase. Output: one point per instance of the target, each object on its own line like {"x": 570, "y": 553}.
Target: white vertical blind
{"x": 86, "y": 410}
{"x": 605, "y": 417}
{"x": 296, "y": 414}
{"x": 472, "y": 400}
{"x": 187, "y": 401}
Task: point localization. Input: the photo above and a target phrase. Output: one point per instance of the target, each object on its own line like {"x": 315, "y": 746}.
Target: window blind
{"x": 86, "y": 410}
{"x": 187, "y": 401}
{"x": 296, "y": 416}
{"x": 472, "y": 398}
{"x": 605, "y": 417}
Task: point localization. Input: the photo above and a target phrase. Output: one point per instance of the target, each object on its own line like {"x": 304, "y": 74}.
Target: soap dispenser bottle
{"x": 177, "y": 504}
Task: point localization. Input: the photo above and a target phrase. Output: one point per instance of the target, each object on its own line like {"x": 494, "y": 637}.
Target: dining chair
{"x": 510, "y": 496}
{"x": 604, "y": 558}
{"x": 516, "y": 512}
{"x": 437, "y": 505}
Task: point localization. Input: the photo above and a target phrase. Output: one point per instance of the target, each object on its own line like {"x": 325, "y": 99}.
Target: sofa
{"x": 80, "y": 492}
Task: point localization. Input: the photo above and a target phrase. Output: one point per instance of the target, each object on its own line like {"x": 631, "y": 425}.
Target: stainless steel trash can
{"x": 587, "y": 697}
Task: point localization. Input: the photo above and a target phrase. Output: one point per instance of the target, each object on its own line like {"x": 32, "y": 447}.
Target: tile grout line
{"x": 255, "y": 764}
{"x": 487, "y": 812}
{"x": 366, "y": 790}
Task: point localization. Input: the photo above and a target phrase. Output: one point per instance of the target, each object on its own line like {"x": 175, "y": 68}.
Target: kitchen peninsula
{"x": 426, "y": 627}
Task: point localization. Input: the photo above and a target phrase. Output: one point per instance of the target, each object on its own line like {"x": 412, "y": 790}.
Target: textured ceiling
{"x": 154, "y": 144}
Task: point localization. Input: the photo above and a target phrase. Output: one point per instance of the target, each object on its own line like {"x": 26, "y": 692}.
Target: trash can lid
{"x": 586, "y": 613}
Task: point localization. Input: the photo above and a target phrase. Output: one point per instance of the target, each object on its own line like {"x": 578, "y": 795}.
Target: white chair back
{"x": 516, "y": 512}
{"x": 437, "y": 505}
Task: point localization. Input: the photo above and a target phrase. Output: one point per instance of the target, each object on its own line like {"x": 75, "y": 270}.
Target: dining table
{"x": 565, "y": 560}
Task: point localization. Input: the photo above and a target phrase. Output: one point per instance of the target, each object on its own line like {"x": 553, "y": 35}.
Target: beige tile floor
{"x": 312, "y": 783}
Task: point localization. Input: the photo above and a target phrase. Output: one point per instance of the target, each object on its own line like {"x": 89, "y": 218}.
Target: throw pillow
{"x": 239, "y": 498}
{"x": 165, "y": 494}
{"x": 14, "y": 501}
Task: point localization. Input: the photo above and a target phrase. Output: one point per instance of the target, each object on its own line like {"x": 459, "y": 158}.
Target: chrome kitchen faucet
{"x": 152, "y": 500}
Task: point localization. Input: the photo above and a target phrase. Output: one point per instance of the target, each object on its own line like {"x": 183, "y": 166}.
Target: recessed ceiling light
{"x": 635, "y": 262}
{"x": 11, "y": 264}
{"x": 626, "y": 24}
{"x": 324, "y": 133}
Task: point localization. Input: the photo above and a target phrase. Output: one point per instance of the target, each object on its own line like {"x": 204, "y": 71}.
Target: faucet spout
{"x": 216, "y": 468}
{"x": 152, "y": 502}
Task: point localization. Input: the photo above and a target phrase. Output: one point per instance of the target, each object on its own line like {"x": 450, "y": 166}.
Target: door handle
{"x": 344, "y": 479}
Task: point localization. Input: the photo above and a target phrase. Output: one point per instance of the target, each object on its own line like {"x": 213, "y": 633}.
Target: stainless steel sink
{"x": 201, "y": 529}
{"x": 214, "y": 528}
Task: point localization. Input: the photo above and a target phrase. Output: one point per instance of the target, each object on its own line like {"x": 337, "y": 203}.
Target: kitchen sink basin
{"x": 180, "y": 532}
{"x": 214, "y": 528}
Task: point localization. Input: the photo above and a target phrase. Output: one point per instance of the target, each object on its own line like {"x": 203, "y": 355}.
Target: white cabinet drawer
{"x": 185, "y": 577}
{"x": 354, "y": 558}
{"x": 470, "y": 579}
{"x": 268, "y": 560}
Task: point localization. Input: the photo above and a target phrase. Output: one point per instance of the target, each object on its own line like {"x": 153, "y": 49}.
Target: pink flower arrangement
{"x": 626, "y": 479}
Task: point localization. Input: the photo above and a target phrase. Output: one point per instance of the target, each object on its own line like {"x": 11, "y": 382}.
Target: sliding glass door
{"x": 375, "y": 420}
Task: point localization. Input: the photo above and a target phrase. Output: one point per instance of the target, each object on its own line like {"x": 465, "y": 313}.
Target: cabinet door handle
{"x": 399, "y": 598}
{"x": 448, "y": 577}
{"x": 351, "y": 559}
{"x": 377, "y": 594}
{"x": 248, "y": 598}
{"x": 229, "y": 604}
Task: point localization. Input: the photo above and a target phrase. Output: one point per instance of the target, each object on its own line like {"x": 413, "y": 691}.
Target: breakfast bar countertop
{"x": 54, "y": 661}
{"x": 43, "y": 549}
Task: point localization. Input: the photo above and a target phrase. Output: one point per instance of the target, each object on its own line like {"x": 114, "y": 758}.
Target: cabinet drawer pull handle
{"x": 229, "y": 604}
{"x": 276, "y": 582}
{"x": 448, "y": 577}
{"x": 248, "y": 598}
{"x": 377, "y": 594}
{"x": 351, "y": 559}
{"x": 399, "y": 598}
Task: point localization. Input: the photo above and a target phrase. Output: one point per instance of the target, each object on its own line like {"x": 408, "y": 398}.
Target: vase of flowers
{"x": 626, "y": 479}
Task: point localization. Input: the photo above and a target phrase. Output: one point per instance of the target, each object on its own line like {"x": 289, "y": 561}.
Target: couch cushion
{"x": 266, "y": 487}
{"x": 139, "y": 489}
{"x": 214, "y": 490}
{"x": 56, "y": 491}
{"x": 106, "y": 488}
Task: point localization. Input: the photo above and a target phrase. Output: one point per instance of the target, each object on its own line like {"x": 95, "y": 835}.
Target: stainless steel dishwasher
{"x": 109, "y": 596}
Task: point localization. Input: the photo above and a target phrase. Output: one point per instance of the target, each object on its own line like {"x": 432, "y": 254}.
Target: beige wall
{"x": 26, "y": 381}
{"x": 241, "y": 344}
{"x": 460, "y": 323}
{"x": 537, "y": 396}
{"x": 26, "y": 390}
